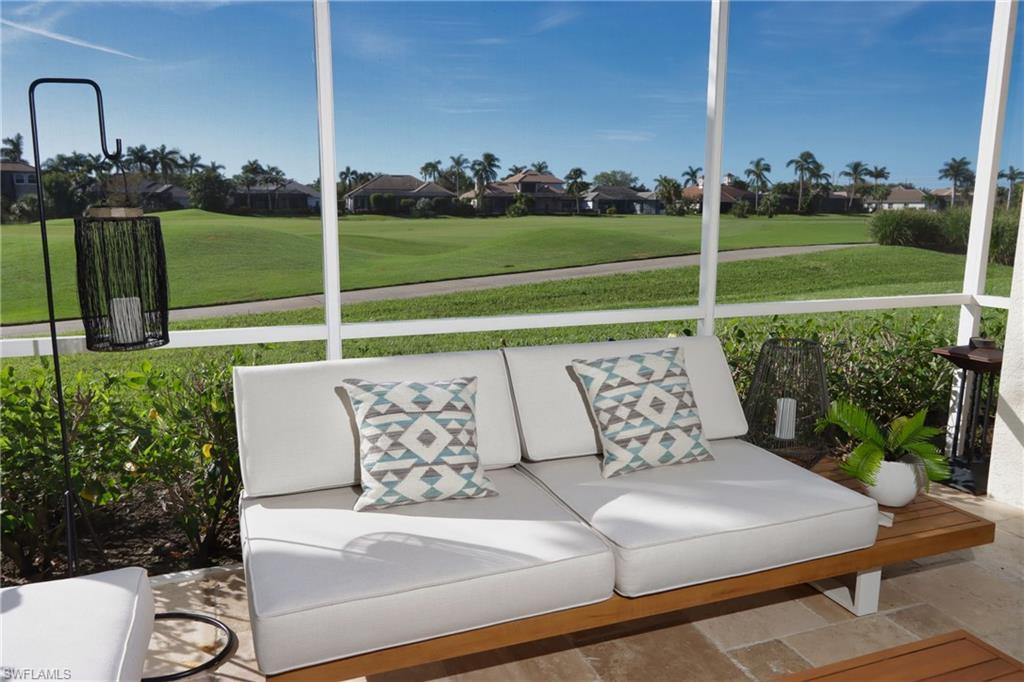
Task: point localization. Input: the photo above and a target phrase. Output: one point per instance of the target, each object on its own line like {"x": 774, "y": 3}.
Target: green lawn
{"x": 858, "y": 271}
{"x": 216, "y": 258}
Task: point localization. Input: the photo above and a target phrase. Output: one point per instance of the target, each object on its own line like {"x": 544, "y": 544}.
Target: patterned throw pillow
{"x": 417, "y": 441}
{"x": 645, "y": 411}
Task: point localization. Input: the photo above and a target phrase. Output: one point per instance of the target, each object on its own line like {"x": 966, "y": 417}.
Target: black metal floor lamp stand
{"x": 70, "y": 497}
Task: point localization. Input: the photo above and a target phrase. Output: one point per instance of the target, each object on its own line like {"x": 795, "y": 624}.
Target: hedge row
{"x": 945, "y": 231}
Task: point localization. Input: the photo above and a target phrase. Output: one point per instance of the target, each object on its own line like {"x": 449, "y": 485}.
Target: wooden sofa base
{"x": 924, "y": 528}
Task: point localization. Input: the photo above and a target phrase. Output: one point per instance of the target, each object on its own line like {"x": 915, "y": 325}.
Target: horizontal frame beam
{"x": 242, "y": 336}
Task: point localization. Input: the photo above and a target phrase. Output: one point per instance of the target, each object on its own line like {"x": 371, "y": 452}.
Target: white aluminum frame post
{"x": 328, "y": 173}
{"x": 718, "y": 53}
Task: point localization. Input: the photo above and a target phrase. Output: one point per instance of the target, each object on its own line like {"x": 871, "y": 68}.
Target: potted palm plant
{"x": 895, "y": 464}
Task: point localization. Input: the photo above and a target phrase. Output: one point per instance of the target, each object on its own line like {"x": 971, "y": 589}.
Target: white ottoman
{"x": 92, "y": 627}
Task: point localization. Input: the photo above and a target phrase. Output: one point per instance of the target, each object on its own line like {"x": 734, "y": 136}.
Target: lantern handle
{"x": 111, "y": 156}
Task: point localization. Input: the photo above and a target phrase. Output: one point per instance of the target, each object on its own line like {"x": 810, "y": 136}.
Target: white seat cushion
{"x": 553, "y": 413}
{"x": 746, "y": 511}
{"x": 93, "y": 627}
{"x": 326, "y": 582}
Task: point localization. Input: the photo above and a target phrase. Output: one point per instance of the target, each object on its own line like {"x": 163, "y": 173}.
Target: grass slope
{"x": 858, "y": 271}
{"x": 216, "y": 258}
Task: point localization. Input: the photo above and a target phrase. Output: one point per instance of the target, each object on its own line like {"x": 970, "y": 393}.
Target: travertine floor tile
{"x": 924, "y": 620}
{"x": 677, "y": 652}
{"x": 1009, "y": 641}
{"x": 846, "y": 640}
{"x": 758, "y": 618}
{"x": 769, "y": 660}
{"x": 983, "y": 599}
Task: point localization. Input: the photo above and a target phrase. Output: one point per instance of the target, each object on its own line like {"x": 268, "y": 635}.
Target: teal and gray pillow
{"x": 645, "y": 411}
{"x": 417, "y": 441}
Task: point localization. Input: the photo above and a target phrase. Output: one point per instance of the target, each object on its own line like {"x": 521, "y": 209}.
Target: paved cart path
{"x": 448, "y": 286}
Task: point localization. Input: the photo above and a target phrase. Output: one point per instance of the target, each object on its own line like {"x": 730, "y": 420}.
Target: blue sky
{"x": 598, "y": 85}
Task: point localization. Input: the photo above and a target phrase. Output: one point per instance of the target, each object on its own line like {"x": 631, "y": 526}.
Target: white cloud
{"x": 70, "y": 40}
{"x": 490, "y": 40}
{"x": 555, "y": 18}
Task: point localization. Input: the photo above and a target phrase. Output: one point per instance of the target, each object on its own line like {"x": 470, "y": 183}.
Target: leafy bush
{"x": 908, "y": 227}
{"x": 519, "y": 208}
{"x": 103, "y": 439}
{"x": 741, "y": 209}
{"x": 1003, "y": 247}
{"x": 424, "y": 208}
{"x": 407, "y": 206}
{"x": 611, "y": 210}
{"x": 946, "y": 231}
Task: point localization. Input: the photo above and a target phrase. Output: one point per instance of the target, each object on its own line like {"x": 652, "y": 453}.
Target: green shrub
{"x": 519, "y": 208}
{"x": 945, "y": 231}
{"x": 407, "y": 206}
{"x": 741, "y": 209}
{"x": 908, "y": 227}
{"x": 103, "y": 439}
{"x": 424, "y": 208}
{"x": 611, "y": 210}
{"x": 1005, "y": 225}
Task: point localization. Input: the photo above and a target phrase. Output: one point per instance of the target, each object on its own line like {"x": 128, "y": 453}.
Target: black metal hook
{"x": 116, "y": 155}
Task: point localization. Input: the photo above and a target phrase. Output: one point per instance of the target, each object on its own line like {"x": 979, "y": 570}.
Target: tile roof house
{"x": 16, "y": 180}
{"x": 398, "y": 186}
{"x": 730, "y": 195}
{"x": 623, "y": 199}
{"x": 152, "y": 195}
{"x": 546, "y": 192}
{"x": 899, "y": 197}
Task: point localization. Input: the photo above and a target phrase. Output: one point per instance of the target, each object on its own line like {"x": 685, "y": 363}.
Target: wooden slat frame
{"x": 925, "y": 527}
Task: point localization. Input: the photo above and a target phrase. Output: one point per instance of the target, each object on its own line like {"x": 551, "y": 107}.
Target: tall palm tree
{"x": 168, "y": 161}
{"x": 275, "y": 178}
{"x": 540, "y": 166}
{"x": 252, "y": 171}
{"x": 516, "y": 170}
{"x": 484, "y": 170}
{"x": 1014, "y": 175}
{"x": 668, "y": 189}
{"x": 191, "y": 163}
{"x": 212, "y": 166}
{"x": 757, "y": 174}
{"x": 802, "y": 165}
{"x": 138, "y": 158}
{"x": 347, "y": 176}
{"x": 817, "y": 179}
{"x": 431, "y": 170}
{"x": 14, "y": 148}
{"x": 575, "y": 185}
{"x": 957, "y": 171}
{"x": 877, "y": 173}
{"x": 458, "y": 169}
{"x": 691, "y": 176}
{"x": 857, "y": 171}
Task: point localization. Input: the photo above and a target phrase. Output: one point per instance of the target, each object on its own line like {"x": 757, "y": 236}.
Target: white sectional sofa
{"x": 326, "y": 582}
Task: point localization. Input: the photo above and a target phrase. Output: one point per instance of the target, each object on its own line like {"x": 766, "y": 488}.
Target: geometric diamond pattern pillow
{"x": 645, "y": 411}
{"x": 417, "y": 441}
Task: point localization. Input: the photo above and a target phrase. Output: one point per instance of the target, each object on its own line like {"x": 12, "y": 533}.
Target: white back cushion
{"x": 294, "y": 433}
{"x": 553, "y": 413}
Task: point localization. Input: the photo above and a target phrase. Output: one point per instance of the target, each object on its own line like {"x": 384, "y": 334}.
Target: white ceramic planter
{"x": 897, "y": 483}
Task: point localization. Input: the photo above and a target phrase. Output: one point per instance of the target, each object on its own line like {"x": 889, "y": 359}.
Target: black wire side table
{"x": 979, "y": 362}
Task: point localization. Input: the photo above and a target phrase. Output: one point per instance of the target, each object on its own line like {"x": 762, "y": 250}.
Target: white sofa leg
{"x": 856, "y": 592}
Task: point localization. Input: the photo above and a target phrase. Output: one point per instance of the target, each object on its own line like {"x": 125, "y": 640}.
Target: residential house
{"x": 146, "y": 193}
{"x": 623, "y": 199}
{"x": 839, "y": 202}
{"x": 398, "y": 187}
{"x": 898, "y": 197}
{"x": 16, "y": 180}
{"x": 291, "y": 196}
{"x": 943, "y": 197}
{"x": 651, "y": 204}
{"x": 545, "y": 191}
{"x": 730, "y": 195}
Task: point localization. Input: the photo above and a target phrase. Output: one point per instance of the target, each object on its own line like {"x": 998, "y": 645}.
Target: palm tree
{"x": 458, "y": 168}
{"x": 958, "y": 171}
{"x": 191, "y": 163}
{"x": 347, "y": 176}
{"x": 801, "y": 165}
{"x": 484, "y": 170}
{"x": 575, "y": 184}
{"x": 757, "y": 174}
{"x": 275, "y": 178}
{"x": 668, "y": 189}
{"x": 14, "y": 148}
{"x": 1014, "y": 175}
{"x": 431, "y": 170}
{"x": 691, "y": 176}
{"x": 856, "y": 171}
{"x": 138, "y": 158}
{"x": 212, "y": 166}
{"x": 877, "y": 173}
{"x": 166, "y": 160}
{"x": 252, "y": 171}
{"x": 516, "y": 170}
{"x": 817, "y": 179}
{"x": 540, "y": 166}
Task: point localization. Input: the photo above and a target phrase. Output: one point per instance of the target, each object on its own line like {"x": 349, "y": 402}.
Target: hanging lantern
{"x": 122, "y": 280}
{"x": 787, "y": 397}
